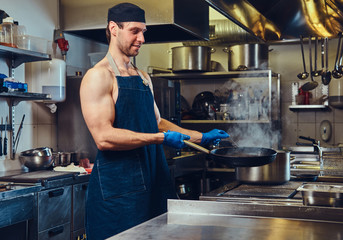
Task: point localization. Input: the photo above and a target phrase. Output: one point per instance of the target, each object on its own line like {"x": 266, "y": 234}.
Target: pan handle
{"x": 308, "y": 139}
{"x": 196, "y": 146}
{"x": 304, "y": 144}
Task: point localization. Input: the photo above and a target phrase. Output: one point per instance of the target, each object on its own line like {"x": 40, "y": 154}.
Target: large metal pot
{"x": 247, "y": 57}
{"x": 194, "y": 58}
{"x": 277, "y": 172}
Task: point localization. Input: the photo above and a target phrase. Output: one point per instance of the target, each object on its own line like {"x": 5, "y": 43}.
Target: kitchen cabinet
{"x": 15, "y": 57}
{"x": 78, "y": 211}
{"x": 52, "y": 203}
{"x": 54, "y": 209}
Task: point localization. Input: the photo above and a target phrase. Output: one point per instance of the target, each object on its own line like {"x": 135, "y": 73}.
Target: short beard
{"x": 127, "y": 52}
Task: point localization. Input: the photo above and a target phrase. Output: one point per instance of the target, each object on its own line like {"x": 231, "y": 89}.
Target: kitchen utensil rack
{"x": 15, "y": 57}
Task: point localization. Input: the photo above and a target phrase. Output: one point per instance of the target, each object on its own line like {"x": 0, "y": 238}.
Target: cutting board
{"x": 37, "y": 176}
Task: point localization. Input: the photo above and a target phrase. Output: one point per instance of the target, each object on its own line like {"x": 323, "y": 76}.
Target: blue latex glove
{"x": 175, "y": 139}
{"x": 213, "y": 137}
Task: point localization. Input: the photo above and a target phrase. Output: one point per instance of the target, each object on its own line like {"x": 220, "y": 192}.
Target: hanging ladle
{"x": 316, "y": 72}
{"x": 312, "y": 84}
{"x": 326, "y": 75}
{"x": 304, "y": 74}
{"x": 335, "y": 72}
{"x": 339, "y": 64}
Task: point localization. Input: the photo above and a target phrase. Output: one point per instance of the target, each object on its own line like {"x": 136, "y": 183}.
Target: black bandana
{"x": 126, "y": 12}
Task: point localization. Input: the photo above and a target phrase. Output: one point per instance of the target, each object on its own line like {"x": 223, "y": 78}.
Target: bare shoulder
{"x": 97, "y": 78}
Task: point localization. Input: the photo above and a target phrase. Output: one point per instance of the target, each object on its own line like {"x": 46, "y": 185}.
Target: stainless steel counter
{"x": 194, "y": 220}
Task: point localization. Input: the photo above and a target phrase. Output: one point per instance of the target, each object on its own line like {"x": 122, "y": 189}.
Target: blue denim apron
{"x": 127, "y": 188}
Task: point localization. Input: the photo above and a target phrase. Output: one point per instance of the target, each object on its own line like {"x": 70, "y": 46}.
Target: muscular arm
{"x": 97, "y": 104}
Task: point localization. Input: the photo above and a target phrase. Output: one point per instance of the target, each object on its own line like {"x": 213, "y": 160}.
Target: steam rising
{"x": 255, "y": 135}
{"x": 253, "y": 110}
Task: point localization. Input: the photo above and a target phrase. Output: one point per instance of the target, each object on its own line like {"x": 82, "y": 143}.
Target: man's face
{"x": 130, "y": 38}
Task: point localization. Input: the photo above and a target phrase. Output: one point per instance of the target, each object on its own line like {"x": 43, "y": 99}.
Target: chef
{"x": 130, "y": 181}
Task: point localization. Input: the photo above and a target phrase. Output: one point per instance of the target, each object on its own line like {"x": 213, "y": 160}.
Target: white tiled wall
{"x": 39, "y": 17}
{"x": 286, "y": 59}
{"x": 39, "y": 129}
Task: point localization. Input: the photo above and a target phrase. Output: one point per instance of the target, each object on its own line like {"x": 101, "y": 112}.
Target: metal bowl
{"x": 327, "y": 195}
{"x": 37, "y": 158}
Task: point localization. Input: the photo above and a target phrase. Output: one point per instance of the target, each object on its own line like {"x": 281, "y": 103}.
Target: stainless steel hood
{"x": 167, "y": 20}
{"x": 284, "y": 19}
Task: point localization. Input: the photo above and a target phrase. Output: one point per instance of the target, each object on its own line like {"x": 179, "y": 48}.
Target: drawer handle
{"x": 56, "y": 193}
{"x": 56, "y": 231}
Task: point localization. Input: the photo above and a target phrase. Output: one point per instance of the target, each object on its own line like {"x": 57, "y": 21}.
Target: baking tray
{"x": 328, "y": 195}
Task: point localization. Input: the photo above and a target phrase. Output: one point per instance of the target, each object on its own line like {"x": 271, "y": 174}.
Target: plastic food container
{"x": 8, "y": 32}
{"x": 48, "y": 77}
{"x": 32, "y": 43}
{"x": 322, "y": 195}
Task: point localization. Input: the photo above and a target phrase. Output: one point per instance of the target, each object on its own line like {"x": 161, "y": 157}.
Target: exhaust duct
{"x": 284, "y": 19}
{"x": 167, "y": 20}
{"x": 225, "y": 32}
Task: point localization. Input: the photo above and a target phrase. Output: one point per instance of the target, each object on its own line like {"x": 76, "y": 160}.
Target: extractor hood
{"x": 167, "y": 20}
{"x": 284, "y": 19}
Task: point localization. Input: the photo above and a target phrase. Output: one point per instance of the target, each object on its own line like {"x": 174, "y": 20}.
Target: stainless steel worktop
{"x": 188, "y": 219}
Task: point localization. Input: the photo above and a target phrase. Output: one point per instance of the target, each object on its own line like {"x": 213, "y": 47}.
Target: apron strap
{"x": 116, "y": 71}
{"x": 145, "y": 81}
{"x": 112, "y": 64}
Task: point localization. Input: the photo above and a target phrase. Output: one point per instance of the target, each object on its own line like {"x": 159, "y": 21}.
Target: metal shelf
{"x": 225, "y": 121}
{"x": 15, "y": 97}
{"x": 298, "y": 108}
{"x": 207, "y": 75}
{"x": 19, "y": 56}
{"x": 25, "y": 96}
{"x": 15, "y": 57}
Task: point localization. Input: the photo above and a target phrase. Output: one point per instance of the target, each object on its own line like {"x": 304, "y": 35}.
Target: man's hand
{"x": 213, "y": 137}
{"x": 175, "y": 139}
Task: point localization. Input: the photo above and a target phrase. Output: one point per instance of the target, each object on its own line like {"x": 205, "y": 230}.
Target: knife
{"x": 1, "y": 138}
{"x": 16, "y": 140}
{"x": 5, "y": 139}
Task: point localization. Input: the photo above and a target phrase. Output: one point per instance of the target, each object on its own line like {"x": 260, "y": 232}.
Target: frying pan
{"x": 238, "y": 156}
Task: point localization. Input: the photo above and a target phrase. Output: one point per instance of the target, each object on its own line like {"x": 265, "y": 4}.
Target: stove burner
{"x": 286, "y": 190}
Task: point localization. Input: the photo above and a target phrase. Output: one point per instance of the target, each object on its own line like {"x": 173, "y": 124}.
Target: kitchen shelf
{"x": 207, "y": 75}
{"x": 20, "y": 56}
{"x": 15, "y": 57}
{"x": 16, "y": 97}
{"x": 266, "y": 82}
{"x": 297, "y": 108}
{"x": 225, "y": 121}
{"x": 26, "y": 96}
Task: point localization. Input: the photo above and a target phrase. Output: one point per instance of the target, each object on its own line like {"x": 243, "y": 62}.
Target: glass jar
{"x": 9, "y": 32}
